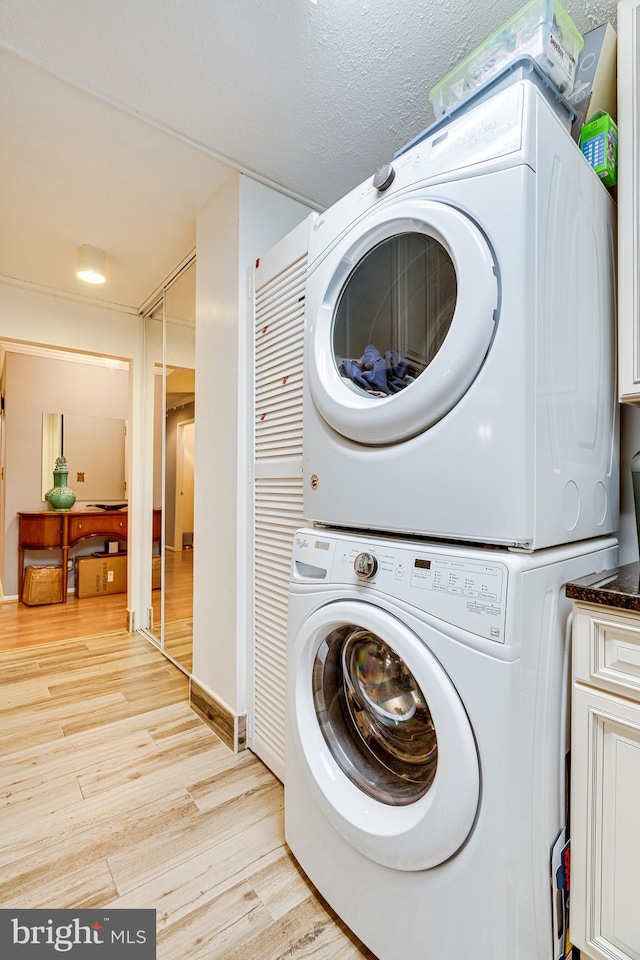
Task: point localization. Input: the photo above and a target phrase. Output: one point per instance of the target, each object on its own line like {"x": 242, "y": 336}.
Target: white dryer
{"x": 426, "y": 739}
{"x": 459, "y": 341}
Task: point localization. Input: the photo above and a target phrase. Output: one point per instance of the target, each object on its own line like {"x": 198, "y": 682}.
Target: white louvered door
{"x": 279, "y": 285}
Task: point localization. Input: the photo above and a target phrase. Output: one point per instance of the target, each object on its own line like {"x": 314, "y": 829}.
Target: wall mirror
{"x": 173, "y": 456}
{"x": 95, "y": 448}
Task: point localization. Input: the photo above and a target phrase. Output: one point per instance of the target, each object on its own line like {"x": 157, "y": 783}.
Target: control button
{"x": 343, "y": 560}
{"x": 489, "y": 596}
{"x": 384, "y": 177}
{"x": 457, "y": 590}
{"x": 399, "y": 571}
{"x": 365, "y": 566}
{"x": 494, "y": 611}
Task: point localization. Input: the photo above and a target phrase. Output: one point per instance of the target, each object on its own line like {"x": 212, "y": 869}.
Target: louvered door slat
{"x": 277, "y": 490}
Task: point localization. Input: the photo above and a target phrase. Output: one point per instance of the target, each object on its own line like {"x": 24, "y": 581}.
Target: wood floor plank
{"x": 30, "y": 769}
{"x": 281, "y": 885}
{"x": 91, "y": 813}
{"x": 71, "y": 848}
{"x": 209, "y": 873}
{"x": 178, "y": 842}
{"x": 90, "y": 886}
{"x": 196, "y": 933}
{"x": 169, "y": 731}
{"x": 246, "y": 775}
{"x": 28, "y": 726}
{"x": 303, "y": 925}
{"x": 173, "y": 763}
{"x": 29, "y": 803}
{"x": 23, "y": 693}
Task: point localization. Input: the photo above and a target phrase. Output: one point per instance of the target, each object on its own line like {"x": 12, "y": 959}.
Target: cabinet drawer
{"x": 89, "y": 526}
{"x": 607, "y": 650}
{"x": 40, "y": 532}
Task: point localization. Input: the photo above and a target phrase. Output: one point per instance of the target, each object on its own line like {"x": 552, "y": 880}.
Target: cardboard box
{"x": 156, "y": 573}
{"x": 42, "y": 585}
{"x": 99, "y": 576}
{"x": 595, "y": 87}
{"x": 599, "y": 144}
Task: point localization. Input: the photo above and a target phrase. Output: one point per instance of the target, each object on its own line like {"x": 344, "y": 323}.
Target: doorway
{"x": 38, "y": 382}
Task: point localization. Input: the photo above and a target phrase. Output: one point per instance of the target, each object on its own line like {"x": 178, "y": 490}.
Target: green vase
{"x": 61, "y": 497}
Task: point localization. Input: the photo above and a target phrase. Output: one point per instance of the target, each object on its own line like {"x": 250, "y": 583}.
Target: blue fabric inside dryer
{"x": 378, "y": 375}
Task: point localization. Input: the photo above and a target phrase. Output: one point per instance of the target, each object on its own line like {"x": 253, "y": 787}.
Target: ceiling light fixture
{"x": 91, "y": 264}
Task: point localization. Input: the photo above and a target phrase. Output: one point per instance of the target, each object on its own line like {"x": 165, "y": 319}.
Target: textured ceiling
{"x": 121, "y": 119}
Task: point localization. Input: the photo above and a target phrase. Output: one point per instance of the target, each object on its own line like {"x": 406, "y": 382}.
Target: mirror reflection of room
{"x": 95, "y": 451}
{"x": 178, "y": 537}
{"x": 173, "y": 458}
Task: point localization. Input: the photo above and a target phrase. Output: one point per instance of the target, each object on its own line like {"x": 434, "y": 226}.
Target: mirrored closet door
{"x": 171, "y": 341}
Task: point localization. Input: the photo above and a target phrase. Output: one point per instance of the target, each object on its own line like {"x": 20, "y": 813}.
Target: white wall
{"x": 33, "y": 317}
{"x": 242, "y": 221}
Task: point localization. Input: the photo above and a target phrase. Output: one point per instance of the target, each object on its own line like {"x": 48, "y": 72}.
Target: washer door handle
{"x": 365, "y": 566}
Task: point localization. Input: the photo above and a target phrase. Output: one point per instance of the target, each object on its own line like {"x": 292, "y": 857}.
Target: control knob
{"x": 384, "y": 177}
{"x": 365, "y": 566}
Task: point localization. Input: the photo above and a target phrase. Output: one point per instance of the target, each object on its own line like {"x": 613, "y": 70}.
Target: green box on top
{"x": 599, "y": 144}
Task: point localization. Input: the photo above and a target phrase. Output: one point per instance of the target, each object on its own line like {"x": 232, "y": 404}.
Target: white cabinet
{"x": 629, "y": 199}
{"x": 605, "y": 783}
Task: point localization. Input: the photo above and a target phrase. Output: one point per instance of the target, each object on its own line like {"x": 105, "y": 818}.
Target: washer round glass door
{"x": 385, "y": 738}
{"x": 404, "y": 322}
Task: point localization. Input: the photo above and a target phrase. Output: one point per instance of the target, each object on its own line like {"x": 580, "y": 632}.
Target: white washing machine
{"x": 426, "y": 739}
{"x": 459, "y": 341}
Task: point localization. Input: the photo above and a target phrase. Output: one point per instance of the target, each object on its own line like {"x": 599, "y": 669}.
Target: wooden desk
{"x": 61, "y": 529}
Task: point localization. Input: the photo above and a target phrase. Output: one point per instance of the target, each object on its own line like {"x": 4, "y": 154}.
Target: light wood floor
{"x": 113, "y": 793}
{"x": 23, "y": 626}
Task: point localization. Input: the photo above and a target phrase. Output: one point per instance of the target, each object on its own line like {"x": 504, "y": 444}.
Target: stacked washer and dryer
{"x": 460, "y": 462}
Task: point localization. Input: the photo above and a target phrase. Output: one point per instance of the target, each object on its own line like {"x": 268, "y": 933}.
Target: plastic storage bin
{"x": 523, "y": 69}
{"x": 542, "y": 29}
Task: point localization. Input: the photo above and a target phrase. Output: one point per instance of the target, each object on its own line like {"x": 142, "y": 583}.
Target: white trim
{"x": 52, "y": 353}
{"x": 67, "y": 295}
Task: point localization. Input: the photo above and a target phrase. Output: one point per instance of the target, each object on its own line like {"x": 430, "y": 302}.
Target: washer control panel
{"x": 458, "y": 585}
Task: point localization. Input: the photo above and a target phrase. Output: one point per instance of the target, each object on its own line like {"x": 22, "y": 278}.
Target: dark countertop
{"x": 612, "y": 588}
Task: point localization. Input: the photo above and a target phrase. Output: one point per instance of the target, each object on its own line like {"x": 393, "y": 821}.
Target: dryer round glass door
{"x": 383, "y": 736}
{"x": 405, "y": 321}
